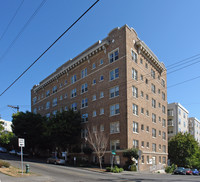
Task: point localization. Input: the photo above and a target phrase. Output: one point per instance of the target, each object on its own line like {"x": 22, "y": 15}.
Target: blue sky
{"x": 169, "y": 27}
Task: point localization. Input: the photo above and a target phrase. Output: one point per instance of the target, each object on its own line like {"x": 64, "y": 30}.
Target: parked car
{"x": 13, "y": 152}
{"x": 188, "y": 171}
{"x": 3, "y": 150}
{"x": 180, "y": 170}
{"x": 55, "y": 160}
{"x": 195, "y": 172}
{"x": 24, "y": 154}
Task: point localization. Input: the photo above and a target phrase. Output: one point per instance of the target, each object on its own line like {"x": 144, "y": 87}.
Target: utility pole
{"x": 14, "y": 107}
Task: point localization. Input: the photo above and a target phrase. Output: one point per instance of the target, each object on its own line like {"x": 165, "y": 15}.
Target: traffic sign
{"x": 21, "y": 142}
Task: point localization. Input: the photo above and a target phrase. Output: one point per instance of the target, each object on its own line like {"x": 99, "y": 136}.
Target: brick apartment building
{"x": 119, "y": 86}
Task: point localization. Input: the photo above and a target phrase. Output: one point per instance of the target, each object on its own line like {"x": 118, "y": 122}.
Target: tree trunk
{"x": 100, "y": 163}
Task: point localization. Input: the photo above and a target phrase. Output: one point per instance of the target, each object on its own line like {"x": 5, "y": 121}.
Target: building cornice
{"x": 71, "y": 64}
{"x": 144, "y": 49}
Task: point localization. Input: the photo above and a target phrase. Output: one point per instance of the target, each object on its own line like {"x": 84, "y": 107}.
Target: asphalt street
{"x": 55, "y": 173}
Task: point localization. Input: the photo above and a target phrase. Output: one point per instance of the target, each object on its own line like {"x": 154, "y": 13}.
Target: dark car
{"x": 55, "y": 160}
{"x": 180, "y": 170}
{"x": 195, "y": 172}
{"x": 188, "y": 171}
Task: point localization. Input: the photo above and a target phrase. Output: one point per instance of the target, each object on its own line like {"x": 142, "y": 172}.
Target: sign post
{"x": 21, "y": 143}
{"x": 113, "y": 154}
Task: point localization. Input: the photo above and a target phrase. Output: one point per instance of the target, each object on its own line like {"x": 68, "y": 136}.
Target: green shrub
{"x": 108, "y": 169}
{"x": 117, "y": 170}
{"x": 133, "y": 167}
{"x": 4, "y": 164}
{"x": 170, "y": 169}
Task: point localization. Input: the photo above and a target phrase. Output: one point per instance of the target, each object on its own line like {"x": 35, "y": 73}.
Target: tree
{"x": 130, "y": 154}
{"x": 99, "y": 141}
{"x": 31, "y": 127}
{"x": 63, "y": 129}
{"x": 183, "y": 149}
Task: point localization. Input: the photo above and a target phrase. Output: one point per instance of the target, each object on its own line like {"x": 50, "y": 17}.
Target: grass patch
{"x": 15, "y": 172}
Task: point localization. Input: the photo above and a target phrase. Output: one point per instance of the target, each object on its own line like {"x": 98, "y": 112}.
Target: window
{"x": 153, "y": 118}
{"x": 94, "y": 81}
{"x": 147, "y": 113}
{"x": 147, "y": 159}
{"x": 84, "y": 73}
{"x": 101, "y": 78}
{"x": 142, "y": 144}
{"x": 73, "y": 79}
{"x": 135, "y": 143}
{"x": 84, "y": 88}
{"x": 135, "y": 109}
{"x": 93, "y": 66}
{"x": 164, "y": 160}
{"x": 147, "y": 128}
{"x": 163, "y": 83}
{"x": 94, "y": 129}
{"x": 164, "y": 148}
{"x": 48, "y": 115}
{"x": 114, "y": 127}
{"x": 152, "y": 73}
{"x": 153, "y": 103}
{"x": 142, "y": 127}
{"x": 74, "y": 106}
{"x": 48, "y": 105}
{"x": 73, "y": 93}
{"x": 159, "y": 133}
{"x": 159, "y": 146}
{"x": 34, "y": 100}
{"x": 153, "y": 88}
{"x": 84, "y": 118}
{"x": 147, "y": 81}
{"x": 147, "y": 97}
{"x": 54, "y": 112}
{"x": 163, "y": 95}
{"x": 94, "y": 113}
{"x": 61, "y": 97}
{"x": 54, "y": 102}
{"x": 65, "y": 82}
{"x": 61, "y": 84}
{"x": 65, "y": 95}
{"x": 141, "y": 77}
{"x": 101, "y": 94}
{"x": 142, "y": 110}
{"x": 159, "y": 91}
{"x": 163, "y": 122}
{"x": 114, "y": 145}
{"x": 147, "y": 144}
{"x": 101, "y": 127}
{"x": 135, "y": 91}
{"x": 153, "y": 132}
{"x": 141, "y": 61}
{"x": 94, "y": 97}
{"x": 114, "y": 92}
{"x": 134, "y": 74}
{"x": 84, "y": 103}
{"x": 47, "y": 93}
{"x": 114, "y": 109}
{"x": 153, "y": 147}
{"x": 54, "y": 90}
{"x": 101, "y": 61}
{"x": 135, "y": 127}
{"x": 114, "y": 74}
{"x": 134, "y": 56}
{"x": 84, "y": 133}
{"x": 66, "y": 108}
{"x": 101, "y": 111}
{"x": 34, "y": 111}
{"x": 159, "y": 159}
{"x": 113, "y": 56}
{"x": 142, "y": 94}
{"x": 146, "y": 65}
{"x": 163, "y": 135}
{"x": 163, "y": 109}
{"x": 142, "y": 159}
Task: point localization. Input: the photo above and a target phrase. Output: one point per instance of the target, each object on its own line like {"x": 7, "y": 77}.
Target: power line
{"x": 11, "y": 20}
{"x": 22, "y": 30}
{"x": 49, "y": 47}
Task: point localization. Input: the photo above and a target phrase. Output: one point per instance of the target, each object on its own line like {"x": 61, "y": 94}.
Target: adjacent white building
{"x": 177, "y": 119}
{"x": 194, "y": 128}
{"x": 6, "y": 125}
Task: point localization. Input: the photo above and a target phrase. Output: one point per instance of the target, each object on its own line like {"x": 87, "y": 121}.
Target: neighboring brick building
{"x": 119, "y": 86}
{"x": 194, "y": 128}
{"x": 177, "y": 119}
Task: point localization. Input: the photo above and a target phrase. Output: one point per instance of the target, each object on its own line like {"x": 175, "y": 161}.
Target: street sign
{"x": 21, "y": 142}
{"x": 113, "y": 152}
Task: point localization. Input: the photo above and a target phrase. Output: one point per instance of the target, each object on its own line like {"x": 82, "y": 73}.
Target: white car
{"x": 55, "y": 160}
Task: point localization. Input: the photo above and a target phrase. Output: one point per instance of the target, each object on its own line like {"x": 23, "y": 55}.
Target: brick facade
{"x": 116, "y": 66}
